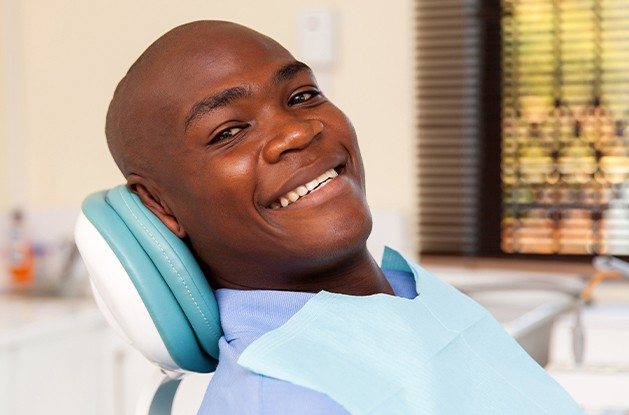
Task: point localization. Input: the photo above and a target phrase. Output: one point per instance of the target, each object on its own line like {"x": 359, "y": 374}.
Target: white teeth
{"x": 292, "y": 196}
{"x": 311, "y": 185}
{"x": 323, "y": 177}
{"x": 304, "y": 189}
{"x": 330, "y": 174}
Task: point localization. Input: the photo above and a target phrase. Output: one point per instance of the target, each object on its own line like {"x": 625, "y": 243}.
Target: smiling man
{"x": 228, "y": 140}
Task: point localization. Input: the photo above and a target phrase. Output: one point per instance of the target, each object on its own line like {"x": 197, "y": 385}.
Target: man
{"x": 230, "y": 142}
{"x": 218, "y": 114}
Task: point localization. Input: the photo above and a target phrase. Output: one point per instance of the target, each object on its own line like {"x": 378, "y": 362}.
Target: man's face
{"x": 253, "y": 132}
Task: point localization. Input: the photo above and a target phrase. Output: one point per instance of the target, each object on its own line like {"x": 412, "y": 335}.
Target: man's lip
{"x": 305, "y": 174}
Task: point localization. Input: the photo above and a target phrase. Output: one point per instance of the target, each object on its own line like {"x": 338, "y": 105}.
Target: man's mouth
{"x": 306, "y": 188}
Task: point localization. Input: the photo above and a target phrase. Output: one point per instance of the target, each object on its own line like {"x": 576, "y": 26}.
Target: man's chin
{"x": 333, "y": 237}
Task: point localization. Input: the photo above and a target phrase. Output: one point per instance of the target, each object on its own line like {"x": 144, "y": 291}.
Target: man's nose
{"x": 290, "y": 134}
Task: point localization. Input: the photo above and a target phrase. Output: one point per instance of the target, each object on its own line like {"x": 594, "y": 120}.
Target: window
{"x": 523, "y": 127}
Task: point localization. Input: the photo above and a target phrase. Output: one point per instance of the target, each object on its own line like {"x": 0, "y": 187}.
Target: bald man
{"x": 230, "y": 142}
{"x": 219, "y": 130}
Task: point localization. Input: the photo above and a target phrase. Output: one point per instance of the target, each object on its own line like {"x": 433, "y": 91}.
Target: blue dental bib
{"x": 440, "y": 353}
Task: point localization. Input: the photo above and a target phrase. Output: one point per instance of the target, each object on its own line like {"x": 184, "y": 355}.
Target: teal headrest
{"x": 165, "y": 274}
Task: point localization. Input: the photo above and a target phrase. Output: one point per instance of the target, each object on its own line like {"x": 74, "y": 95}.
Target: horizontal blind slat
{"x": 448, "y": 50}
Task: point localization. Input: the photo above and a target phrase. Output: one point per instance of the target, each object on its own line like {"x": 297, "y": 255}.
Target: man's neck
{"x": 358, "y": 274}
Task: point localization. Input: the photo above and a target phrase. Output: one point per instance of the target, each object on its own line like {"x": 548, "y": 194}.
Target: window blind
{"x": 565, "y": 140}
{"x": 523, "y": 127}
{"x": 448, "y": 80}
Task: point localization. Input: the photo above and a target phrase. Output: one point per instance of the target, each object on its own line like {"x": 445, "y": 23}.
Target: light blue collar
{"x": 248, "y": 314}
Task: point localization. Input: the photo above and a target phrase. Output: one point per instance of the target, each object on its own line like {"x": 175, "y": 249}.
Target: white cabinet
{"x": 56, "y": 371}
{"x": 4, "y": 383}
{"x": 49, "y": 360}
{"x": 58, "y": 356}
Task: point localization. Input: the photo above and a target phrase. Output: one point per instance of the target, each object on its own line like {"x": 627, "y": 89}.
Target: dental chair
{"x": 151, "y": 291}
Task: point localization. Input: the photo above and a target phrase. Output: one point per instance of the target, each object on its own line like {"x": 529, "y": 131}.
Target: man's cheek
{"x": 233, "y": 214}
{"x": 239, "y": 167}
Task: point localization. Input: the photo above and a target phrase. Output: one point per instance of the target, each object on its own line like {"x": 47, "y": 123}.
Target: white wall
{"x": 71, "y": 54}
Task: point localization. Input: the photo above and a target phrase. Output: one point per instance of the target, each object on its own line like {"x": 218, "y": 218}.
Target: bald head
{"x": 143, "y": 116}
{"x": 212, "y": 127}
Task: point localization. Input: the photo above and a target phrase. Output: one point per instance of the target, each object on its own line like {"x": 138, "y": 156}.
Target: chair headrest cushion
{"x": 168, "y": 279}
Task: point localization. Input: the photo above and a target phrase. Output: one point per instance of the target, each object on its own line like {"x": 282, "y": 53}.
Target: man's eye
{"x": 303, "y": 97}
{"x": 225, "y": 134}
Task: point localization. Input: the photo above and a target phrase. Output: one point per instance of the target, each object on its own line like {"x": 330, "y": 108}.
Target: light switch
{"x": 315, "y": 30}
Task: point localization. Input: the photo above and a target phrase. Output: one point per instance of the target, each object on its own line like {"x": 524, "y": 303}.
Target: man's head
{"x": 214, "y": 127}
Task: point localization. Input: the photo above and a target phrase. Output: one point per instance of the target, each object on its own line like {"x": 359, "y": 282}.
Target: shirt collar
{"x": 247, "y": 314}
{"x": 393, "y": 260}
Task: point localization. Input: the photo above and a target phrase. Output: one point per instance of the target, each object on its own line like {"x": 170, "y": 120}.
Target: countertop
{"x": 24, "y": 317}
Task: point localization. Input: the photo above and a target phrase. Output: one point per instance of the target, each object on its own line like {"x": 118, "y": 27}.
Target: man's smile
{"x": 305, "y": 181}
{"x": 305, "y": 189}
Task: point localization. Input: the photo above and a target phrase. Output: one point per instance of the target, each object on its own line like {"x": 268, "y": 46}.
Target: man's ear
{"x": 155, "y": 204}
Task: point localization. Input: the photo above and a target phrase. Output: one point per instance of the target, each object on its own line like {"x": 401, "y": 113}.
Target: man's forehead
{"x": 216, "y": 54}
{"x": 216, "y": 44}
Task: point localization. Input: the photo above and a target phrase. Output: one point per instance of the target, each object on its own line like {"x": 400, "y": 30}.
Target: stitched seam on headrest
{"x": 169, "y": 261}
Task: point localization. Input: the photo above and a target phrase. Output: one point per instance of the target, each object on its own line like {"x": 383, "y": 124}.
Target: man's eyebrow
{"x": 288, "y": 71}
{"x": 221, "y": 99}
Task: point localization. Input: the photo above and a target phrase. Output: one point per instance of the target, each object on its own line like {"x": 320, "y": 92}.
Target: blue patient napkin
{"x": 440, "y": 353}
